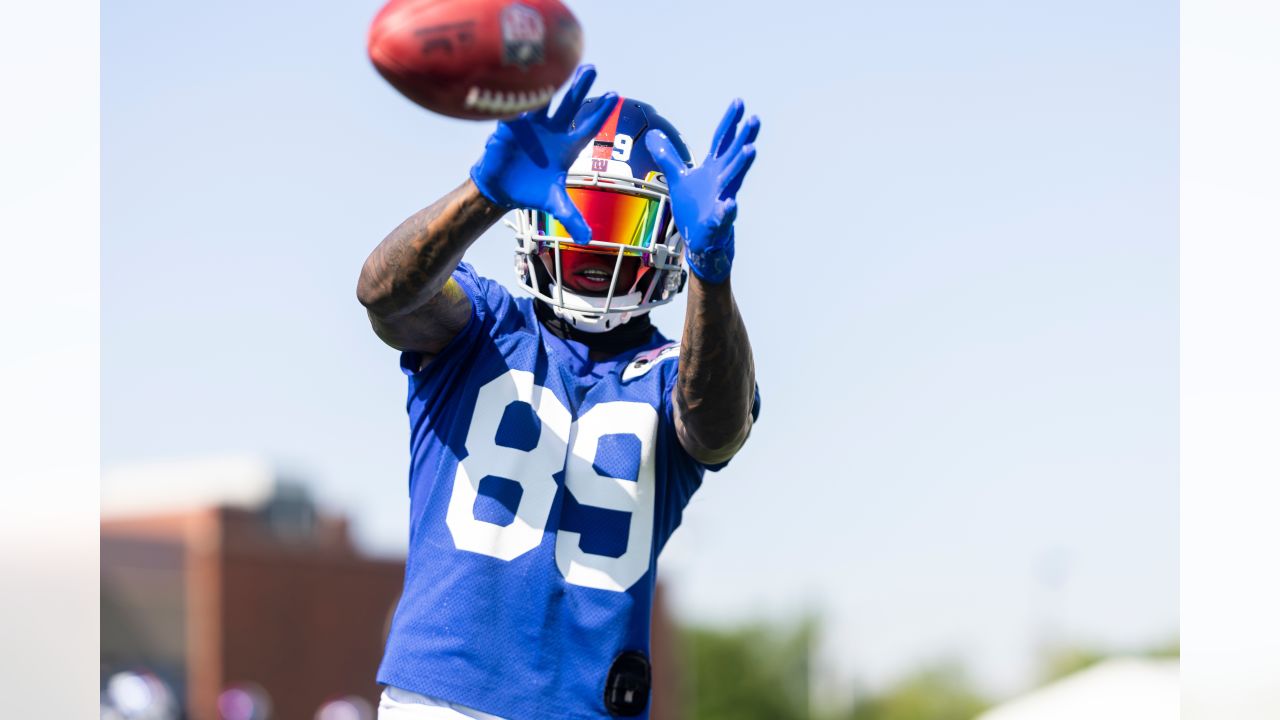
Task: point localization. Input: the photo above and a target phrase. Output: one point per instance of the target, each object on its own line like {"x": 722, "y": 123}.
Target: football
{"x": 476, "y": 59}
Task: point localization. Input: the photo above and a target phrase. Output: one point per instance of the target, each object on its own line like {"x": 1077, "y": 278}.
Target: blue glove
{"x": 526, "y": 159}
{"x": 704, "y": 199}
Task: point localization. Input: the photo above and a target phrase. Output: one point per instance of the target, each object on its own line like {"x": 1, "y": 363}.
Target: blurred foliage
{"x": 942, "y": 692}
{"x": 1068, "y": 661}
{"x": 762, "y": 672}
{"x": 757, "y": 672}
{"x": 1065, "y": 661}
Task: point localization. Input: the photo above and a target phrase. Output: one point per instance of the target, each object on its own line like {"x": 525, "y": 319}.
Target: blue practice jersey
{"x": 542, "y": 488}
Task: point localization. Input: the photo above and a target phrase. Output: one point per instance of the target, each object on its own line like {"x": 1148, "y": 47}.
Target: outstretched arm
{"x": 413, "y": 304}
{"x": 405, "y": 284}
{"x": 715, "y": 387}
{"x": 717, "y": 379}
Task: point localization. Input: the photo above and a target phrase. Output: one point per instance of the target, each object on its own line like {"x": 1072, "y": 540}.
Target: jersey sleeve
{"x": 683, "y": 473}
{"x": 492, "y": 311}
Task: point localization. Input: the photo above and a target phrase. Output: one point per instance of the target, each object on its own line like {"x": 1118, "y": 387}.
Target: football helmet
{"x": 635, "y": 259}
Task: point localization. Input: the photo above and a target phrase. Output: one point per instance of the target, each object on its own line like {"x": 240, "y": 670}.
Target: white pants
{"x": 397, "y": 704}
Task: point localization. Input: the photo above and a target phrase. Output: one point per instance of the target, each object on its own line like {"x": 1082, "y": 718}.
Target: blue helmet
{"x": 619, "y": 147}
{"x": 621, "y": 192}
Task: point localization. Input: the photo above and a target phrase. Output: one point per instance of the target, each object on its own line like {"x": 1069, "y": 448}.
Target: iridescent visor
{"x": 614, "y": 217}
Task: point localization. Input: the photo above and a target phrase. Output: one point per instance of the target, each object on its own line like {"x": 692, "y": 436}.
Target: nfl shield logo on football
{"x": 523, "y": 35}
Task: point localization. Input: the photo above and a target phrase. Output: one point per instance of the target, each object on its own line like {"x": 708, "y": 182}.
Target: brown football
{"x": 476, "y": 59}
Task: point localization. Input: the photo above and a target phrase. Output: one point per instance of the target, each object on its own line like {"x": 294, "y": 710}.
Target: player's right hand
{"x": 526, "y": 159}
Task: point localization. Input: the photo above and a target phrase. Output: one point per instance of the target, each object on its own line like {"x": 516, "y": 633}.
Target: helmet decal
{"x": 602, "y": 148}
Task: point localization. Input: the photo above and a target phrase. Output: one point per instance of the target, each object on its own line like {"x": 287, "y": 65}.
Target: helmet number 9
{"x": 621, "y": 147}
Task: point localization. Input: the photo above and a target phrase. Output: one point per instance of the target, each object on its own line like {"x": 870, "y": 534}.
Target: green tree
{"x": 757, "y": 672}
{"x": 763, "y": 672}
{"x": 940, "y": 692}
{"x": 1068, "y": 660}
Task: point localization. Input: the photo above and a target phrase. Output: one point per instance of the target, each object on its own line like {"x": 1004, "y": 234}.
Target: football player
{"x": 555, "y": 440}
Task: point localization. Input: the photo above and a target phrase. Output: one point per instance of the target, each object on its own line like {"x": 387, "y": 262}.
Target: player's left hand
{"x": 704, "y": 198}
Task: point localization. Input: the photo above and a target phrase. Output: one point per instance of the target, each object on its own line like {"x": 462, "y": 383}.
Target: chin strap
{"x": 633, "y": 333}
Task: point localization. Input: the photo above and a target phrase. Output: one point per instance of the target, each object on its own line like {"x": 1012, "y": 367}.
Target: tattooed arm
{"x": 715, "y": 386}
{"x": 405, "y": 284}
{"x": 413, "y": 304}
{"x": 716, "y": 383}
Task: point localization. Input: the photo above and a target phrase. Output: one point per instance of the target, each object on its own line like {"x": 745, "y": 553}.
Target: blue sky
{"x": 957, "y": 258}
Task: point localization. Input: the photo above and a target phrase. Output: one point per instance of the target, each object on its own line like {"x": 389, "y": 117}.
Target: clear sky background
{"x": 957, "y": 257}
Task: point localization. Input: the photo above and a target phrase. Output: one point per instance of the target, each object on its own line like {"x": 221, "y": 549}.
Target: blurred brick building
{"x": 223, "y": 574}
{"x": 257, "y": 589}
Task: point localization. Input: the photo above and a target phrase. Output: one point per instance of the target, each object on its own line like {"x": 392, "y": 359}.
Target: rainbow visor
{"x": 616, "y": 218}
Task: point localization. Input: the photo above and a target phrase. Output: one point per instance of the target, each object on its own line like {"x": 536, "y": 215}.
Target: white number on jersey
{"x": 532, "y": 470}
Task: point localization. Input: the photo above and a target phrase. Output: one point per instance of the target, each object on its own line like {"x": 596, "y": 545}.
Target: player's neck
{"x": 635, "y": 333}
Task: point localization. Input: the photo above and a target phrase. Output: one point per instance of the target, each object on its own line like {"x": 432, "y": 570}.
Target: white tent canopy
{"x": 1118, "y": 689}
